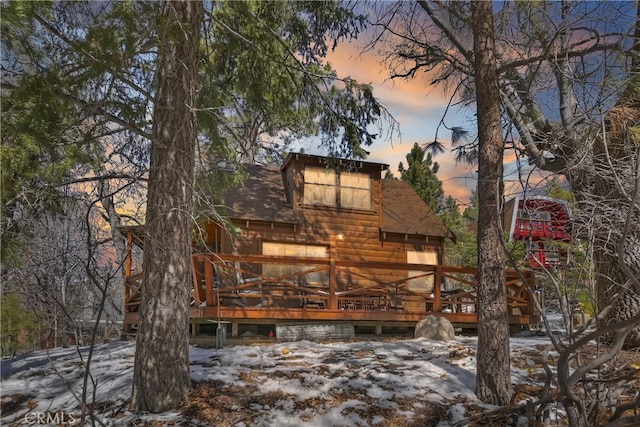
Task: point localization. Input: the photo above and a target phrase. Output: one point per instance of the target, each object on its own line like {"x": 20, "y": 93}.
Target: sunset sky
{"x": 418, "y": 108}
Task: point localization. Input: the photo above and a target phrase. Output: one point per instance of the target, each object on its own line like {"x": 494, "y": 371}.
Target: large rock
{"x": 435, "y": 328}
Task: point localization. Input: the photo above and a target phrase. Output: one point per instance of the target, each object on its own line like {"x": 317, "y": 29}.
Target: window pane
{"x": 355, "y": 180}
{"x": 357, "y": 199}
{"x": 319, "y": 186}
{"x": 315, "y": 194}
{"x": 292, "y": 249}
{"x": 319, "y": 176}
{"x": 355, "y": 190}
{"x": 425, "y": 283}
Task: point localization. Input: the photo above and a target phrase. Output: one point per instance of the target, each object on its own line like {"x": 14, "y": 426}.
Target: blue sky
{"x": 418, "y": 108}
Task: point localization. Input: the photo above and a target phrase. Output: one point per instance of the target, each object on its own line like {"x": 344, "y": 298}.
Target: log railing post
{"x": 333, "y": 280}
{"x": 531, "y": 292}
{"x": 208, "y": 280}
{"x": 196, "y": 270}
{"x": 333, "y": 299}
{"x": 437, "y": 290}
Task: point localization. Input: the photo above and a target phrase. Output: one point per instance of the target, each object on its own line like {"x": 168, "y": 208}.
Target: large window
{"x": 325, "y": 187}
{"x": 426, "y": 281}
{"x": 294, "y": 250}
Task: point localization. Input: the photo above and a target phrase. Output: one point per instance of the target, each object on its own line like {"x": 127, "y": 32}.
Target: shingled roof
{"x": 263, "y": 198}
{"x": 403, "y": 211}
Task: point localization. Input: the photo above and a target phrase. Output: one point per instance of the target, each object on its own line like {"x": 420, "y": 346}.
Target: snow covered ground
{"x": 373, "y": 382}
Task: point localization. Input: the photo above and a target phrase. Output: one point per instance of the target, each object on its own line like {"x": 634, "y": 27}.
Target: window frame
{"x": 338, "y": 199}
{"x": 319, "y": 251}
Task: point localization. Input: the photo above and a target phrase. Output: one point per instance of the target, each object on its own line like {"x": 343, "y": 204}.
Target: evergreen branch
{"x": 95, "y": 60}
{"x": 101, "y": 178}
{"x": 101, "y": 112}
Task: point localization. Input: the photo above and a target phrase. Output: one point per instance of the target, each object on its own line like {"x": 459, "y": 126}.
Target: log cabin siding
{"x": 271, "y": 208}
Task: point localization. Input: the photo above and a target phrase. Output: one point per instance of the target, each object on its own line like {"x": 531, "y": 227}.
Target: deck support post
{"x": 234, "y": 329}
{"x": 378, "y": 329}
{"x": 195, "y": 328}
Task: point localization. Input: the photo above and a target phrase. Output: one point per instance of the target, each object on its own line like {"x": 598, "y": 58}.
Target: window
{"x": 426, "y": 282}
{"x": 534, "y": 215}
{"x": 534, "y": 221}
{"x": 319, "y": 186}
{"x": 355, "y": 190}
{"x": 325, "y": 187}
{"x": 294, "y": 250}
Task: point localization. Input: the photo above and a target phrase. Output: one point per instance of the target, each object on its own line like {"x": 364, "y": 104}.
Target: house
{"x": 541, "y": 224}
{"x": 308, "y": 208}
{"x": 321, "y": 239}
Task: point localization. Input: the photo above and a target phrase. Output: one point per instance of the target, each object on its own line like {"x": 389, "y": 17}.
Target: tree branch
{"x": 101, "y": 112}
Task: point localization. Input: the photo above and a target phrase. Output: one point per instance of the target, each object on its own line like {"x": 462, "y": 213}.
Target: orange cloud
{"x": 418, "y": 109}
{"x": 349, "y": 61}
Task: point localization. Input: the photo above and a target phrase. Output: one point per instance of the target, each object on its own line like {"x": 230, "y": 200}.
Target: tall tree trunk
{"x": 604, "y": 182}
{"x": 615, "y": 206}
{"x": 493, "y": 380}
{"x": 161, "y": 372}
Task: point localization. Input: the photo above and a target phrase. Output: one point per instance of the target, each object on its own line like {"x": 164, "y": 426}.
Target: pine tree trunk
{"x": 493, "y": 378}
{"x": 616, "y": 211}
{"x": 603, "y": 176}
{"x": 161, "y": 373}
{"x": 620, "y": 151}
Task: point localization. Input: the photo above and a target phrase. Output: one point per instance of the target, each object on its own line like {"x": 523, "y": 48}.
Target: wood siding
{"x": 351, "y": 234}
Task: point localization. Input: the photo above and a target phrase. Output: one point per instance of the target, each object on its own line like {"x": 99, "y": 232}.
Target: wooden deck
{"x": 257, "y": 289}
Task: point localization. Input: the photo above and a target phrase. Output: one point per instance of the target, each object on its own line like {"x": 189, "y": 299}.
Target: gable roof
{"x": 403, "y": 211}
{"x": 263, "y": 197}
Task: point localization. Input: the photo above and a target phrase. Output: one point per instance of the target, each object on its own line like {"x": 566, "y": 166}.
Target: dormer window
{"x": 320, "y": 186}
{"x": 326, "y": 187}
{"x": 355, "y": 190}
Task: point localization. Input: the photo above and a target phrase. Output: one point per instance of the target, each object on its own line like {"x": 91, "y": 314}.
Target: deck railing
{"x": 541, "y": 229}
{"x": 248, "y": 287}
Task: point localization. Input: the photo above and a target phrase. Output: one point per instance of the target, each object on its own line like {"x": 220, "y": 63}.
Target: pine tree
{"x": 162, "y": 379}
{"x": 464, "y": 252}
{"x": 493, "y": 379}
{"x": 421, "y": 175}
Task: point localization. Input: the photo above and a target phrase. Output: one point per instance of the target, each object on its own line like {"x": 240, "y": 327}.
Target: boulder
{"x": 435, "y": 328}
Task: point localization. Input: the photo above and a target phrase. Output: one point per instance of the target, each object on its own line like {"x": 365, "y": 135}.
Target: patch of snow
{"x": 336, "y": 383}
